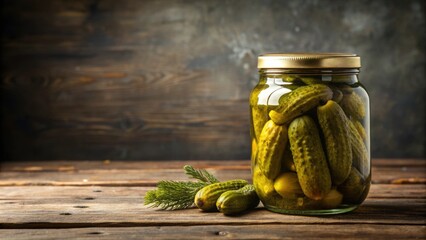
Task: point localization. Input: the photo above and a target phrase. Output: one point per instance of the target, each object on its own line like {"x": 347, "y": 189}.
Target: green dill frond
{"x": 202, "y": 174}
{"x": 150, "y": 197}
{"x": 171, "y": 195}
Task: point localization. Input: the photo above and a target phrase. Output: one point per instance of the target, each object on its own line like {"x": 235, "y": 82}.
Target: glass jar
{"x": 310, "y": 131}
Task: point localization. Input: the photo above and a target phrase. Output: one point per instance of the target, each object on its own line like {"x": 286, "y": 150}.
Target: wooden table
{"x": 104, "y": 199}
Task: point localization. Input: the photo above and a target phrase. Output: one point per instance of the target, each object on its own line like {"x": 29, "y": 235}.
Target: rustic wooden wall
{"x": 89, "y": 79}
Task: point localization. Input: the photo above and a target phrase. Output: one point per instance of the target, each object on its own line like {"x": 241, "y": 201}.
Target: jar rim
{"x": 309, "y": 60}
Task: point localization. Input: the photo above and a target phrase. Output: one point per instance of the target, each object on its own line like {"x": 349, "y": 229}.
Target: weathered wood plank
{"x": 64, "y": 207}
{"x": 270, "y": 231}
{"x": 63, "y": 165}
{"x": 67, "y": 194}
{"x": 139, "y": 177}
{"x": 399, "y": 162}
{"x": 117, "y": 173}
{"x": 134, "y": 112}
{"x": 151, "y": 177}
{"x": 373, "y": 211}
{"x": 188, "y": 129}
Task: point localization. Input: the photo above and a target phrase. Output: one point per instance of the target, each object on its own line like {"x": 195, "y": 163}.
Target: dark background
{"x": 170, "y": 79}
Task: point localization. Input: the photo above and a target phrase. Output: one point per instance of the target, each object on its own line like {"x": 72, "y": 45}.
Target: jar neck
{"x": 346, "y": 76}
{"x": 343, "y": 71}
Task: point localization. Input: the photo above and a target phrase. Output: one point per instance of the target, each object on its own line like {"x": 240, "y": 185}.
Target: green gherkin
{"x": 309, "y": 158}
{"x": 259, "y": 117}
{"x": 299, "y": 101}
{"x": 206, "y": 198}
{"x": 272, "y": 142}
{"x": 237, "y": 201}
{"x": 359, "y": 150}
{"x": 334, "y": 127}
{"x": 353, "y": 188}
{"x": 353, "y": 106}
{"x": 361, "y": 130}
{"x": 259, "y": 112}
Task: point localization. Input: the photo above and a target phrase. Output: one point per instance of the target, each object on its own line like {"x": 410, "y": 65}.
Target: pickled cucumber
{"x": 287, "y": 185}
{"x": 353, "y": 187}
{"x": 309, "y": 157}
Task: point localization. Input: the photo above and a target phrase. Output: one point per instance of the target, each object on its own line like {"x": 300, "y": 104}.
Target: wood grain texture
{"x": 391, "y": 211}
{"x": 66, "y": 207}
{"x": 273, "y": 231}
{"x": 170, "y": 79}
{"x": 64, "y": 165}
{"x": 130, "y": 173}
{"x": 104, "y": 80}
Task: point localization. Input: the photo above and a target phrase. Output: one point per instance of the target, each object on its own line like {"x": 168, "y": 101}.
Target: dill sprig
{"x": 201, "y": 174}
{"x": 172, "y": 195}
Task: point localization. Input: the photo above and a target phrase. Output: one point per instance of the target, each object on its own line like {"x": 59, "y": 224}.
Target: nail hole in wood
{"x": 65, "y": 213}
{"x": 220, "y": 233}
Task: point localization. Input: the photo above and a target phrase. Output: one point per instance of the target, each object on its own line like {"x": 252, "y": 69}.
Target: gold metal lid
{"x": 309, "y": 60}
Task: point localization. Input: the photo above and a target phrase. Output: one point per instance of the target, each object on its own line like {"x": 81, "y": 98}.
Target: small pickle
{"x": 287, "y": 161}
{"x": 353, "y": 105}
{"x": 206, "y": 198}
{"x": 337, "y": 95}
{"x": 237, "y": 201}
{"x": 287, "y": 185}
{"x": 299, "y": 101}
{"x": 332, "y": 200}
{"x": 263, "y": 185}
{"x": 359, "y": 151}
{"x": 270, "y": 198}
{"x": 361, "y": 130}
{"x": 272, "y": 142}
{"x": 353, "y": 188}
